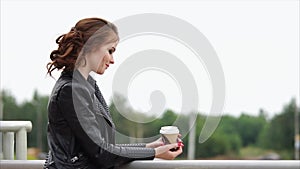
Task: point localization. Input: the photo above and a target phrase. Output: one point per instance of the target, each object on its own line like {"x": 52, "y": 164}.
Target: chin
{"x": 100, "y": 72}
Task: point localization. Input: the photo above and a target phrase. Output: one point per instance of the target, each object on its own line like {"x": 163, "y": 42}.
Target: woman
{"x": 80, "y": 129}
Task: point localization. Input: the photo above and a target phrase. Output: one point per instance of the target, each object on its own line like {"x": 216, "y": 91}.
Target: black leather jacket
{"x": 81, "y": 131}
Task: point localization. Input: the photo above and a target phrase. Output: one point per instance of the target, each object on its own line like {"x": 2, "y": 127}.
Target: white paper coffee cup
{"x": 169, "y": 134}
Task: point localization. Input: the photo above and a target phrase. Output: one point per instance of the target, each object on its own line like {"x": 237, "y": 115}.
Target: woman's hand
{"x": 155, "y": 143}
{"x": 164, "y": 152}
{"x": 159, "y": 142}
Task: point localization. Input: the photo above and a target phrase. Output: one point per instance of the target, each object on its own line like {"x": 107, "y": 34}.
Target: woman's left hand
{"x": 159, "y": 142}
{"x": 155, "y": 143}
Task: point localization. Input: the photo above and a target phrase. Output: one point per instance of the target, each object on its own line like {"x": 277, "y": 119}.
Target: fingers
{"x": 180, "y": 144}
{"x": 165, "y": 151}
{"x": 179, "y": 140}
{"x": 174, "y": 154}
{"x": 173, "y": 145}
{"x": 179, "y": 151}
{"x": 176, "y": 145}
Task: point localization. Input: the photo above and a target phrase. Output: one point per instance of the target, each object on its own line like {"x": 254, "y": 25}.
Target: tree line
{"x": 231, "y": 135}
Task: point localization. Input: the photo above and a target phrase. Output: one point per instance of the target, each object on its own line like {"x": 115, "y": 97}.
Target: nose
{"x": 112, "y": 61}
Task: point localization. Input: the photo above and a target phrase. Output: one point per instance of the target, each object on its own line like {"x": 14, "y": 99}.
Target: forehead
{"x": 106, "y": 45}
{"x": 111, "y": 44}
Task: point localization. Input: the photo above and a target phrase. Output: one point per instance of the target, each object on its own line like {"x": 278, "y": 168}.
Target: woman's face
{"x": 102, "y": 57}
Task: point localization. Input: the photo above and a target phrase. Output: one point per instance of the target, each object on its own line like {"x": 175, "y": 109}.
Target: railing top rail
{"x": 215, "y": 164}
{"x": 15, "y": 125}
{"x": 182, "y": 164}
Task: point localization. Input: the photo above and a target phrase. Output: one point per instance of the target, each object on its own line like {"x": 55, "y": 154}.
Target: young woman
{"x": 80, "y": 129}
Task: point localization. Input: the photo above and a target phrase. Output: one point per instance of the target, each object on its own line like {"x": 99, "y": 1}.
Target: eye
{"x": 112, "y": 50}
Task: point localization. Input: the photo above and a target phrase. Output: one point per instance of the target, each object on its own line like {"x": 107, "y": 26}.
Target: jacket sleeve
{"x": 75, "y": 103}
{"x": 133, "y": 145}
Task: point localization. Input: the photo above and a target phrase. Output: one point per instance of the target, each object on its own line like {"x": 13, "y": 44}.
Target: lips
{"x": 107, "y": 65}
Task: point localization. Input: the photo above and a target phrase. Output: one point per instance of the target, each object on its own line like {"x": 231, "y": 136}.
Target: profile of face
{"x": 101, "y": 57}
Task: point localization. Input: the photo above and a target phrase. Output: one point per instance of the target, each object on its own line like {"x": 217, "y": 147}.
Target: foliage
{"x": 34, "y": 111}
{"x": 249, "y": 127}
{"x": 279, "y": 133}
{"x": 232, "y": 134}
{"x": 224, "y": 141}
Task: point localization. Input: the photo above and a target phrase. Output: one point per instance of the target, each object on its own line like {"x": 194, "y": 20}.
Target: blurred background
{"x": 236, "y": 137}
{"x": 257, "y": 43}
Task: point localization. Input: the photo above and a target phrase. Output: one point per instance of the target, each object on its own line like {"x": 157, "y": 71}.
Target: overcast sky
{"x": 257, "y": 43}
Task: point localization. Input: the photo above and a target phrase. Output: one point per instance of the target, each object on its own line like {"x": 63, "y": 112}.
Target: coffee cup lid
{"x": 169, "y": 130}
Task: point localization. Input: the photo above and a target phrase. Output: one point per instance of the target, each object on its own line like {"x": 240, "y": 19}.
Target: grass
{"x": 251, "y": 152}
{"x": 30, "y": 157}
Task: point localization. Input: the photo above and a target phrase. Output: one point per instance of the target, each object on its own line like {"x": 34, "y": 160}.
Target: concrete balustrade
{"x": 182, "y": 164}
{"x": 9, "y": 130}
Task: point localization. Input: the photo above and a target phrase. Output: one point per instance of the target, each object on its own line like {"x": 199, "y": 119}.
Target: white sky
{"x": 257, "y": 43}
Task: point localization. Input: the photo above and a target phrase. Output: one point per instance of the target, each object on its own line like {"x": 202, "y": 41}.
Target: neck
{"x": 84, "y": 71}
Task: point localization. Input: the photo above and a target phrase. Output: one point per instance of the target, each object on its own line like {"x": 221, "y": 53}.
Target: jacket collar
{"x": 77, "y": 77}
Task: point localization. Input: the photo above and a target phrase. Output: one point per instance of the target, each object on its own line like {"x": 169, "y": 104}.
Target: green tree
{"x": 10, "y": 106}
{"x": 279, "y": 133}
{"x": 34, "y": 110}
{"x": 282, "y": 128}
{"x": 224, "y": 141}
{"x": 249, "y": 127}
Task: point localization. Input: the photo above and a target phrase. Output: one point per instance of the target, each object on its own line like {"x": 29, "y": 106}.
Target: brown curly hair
{"x": 82, "y": 39}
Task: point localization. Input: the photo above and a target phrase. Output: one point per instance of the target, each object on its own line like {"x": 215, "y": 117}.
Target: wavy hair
{"x": 82, "y": 39}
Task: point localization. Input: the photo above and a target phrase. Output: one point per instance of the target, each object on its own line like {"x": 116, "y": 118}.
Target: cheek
{"x": 106, "y": 58}
{"x": 99, "y": 60}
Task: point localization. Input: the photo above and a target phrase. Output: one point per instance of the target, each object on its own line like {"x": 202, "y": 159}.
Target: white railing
{"x": 182, "y": 164}
{"x": 9, "y": 130}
